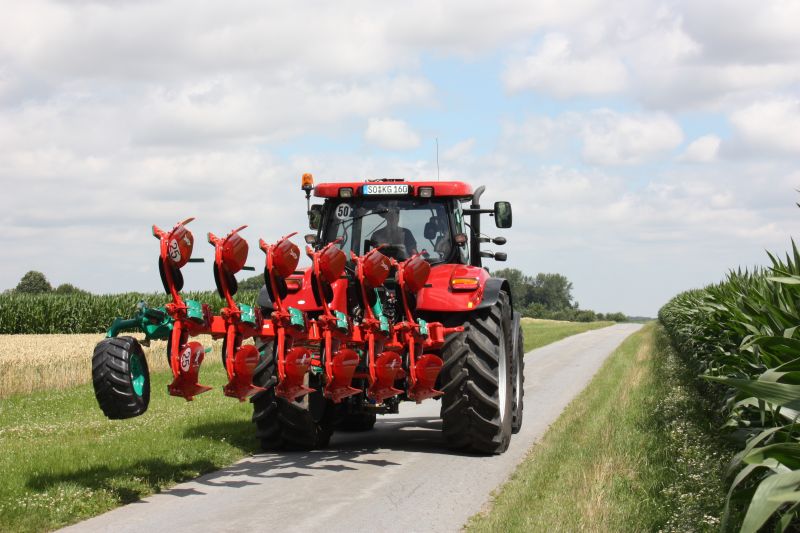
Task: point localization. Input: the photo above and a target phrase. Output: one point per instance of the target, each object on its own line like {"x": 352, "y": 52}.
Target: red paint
{"x": 438, "y": 296}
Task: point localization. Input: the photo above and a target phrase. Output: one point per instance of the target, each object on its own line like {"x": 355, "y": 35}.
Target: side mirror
{"x": 315, "y": 216}
{"x": 502, "y": 214}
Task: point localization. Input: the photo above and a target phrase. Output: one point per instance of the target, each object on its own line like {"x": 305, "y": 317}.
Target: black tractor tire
{"x": 283, "y": 425}
{"x": 357, "y": 421}
{"x": 518, "y": 380}
{"x": 121, "y": 378}
{"x": 476, "y": 380}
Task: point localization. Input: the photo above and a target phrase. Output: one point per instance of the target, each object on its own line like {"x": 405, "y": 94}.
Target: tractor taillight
{"x": 294, "y": 284}
{"x": 464, "y": 284}
{"x": 346, "y": 192}
{"x": 425, "y": 192}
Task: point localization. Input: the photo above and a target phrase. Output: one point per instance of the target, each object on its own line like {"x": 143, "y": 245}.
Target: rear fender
{"x": 492, "y": 290}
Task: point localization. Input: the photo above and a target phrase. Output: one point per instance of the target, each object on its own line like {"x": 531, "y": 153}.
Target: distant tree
{"x": 519, "y": 284}
{"x": 617, "y": 317}
{"x": 33, "y": 282}
{"x": 253, "y": 283}
{"x": 554, "y": 291}
{"x": 69, "y": 288}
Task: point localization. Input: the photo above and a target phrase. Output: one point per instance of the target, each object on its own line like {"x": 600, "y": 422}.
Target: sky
{"x": 647, "y": 147}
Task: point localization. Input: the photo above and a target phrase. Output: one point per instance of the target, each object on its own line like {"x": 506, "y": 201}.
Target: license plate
{"x": 386, "y": 189}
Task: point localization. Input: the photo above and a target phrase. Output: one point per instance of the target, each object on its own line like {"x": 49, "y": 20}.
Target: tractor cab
{"x": 403, "y": 219}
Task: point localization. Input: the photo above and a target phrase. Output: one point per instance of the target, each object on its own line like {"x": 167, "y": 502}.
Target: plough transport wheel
{"x": 284, "y": 425}
{"x": 121, "y": 378}
{"x": 477, "y": 381}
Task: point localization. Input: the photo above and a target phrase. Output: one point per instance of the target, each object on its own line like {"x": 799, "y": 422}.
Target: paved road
{"x": 398, "y": 477}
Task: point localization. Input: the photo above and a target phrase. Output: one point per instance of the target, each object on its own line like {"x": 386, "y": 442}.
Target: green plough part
{"x": 377, "y": 310}
{"x": 154, "y": 322}
{"x": 296, "y": 318}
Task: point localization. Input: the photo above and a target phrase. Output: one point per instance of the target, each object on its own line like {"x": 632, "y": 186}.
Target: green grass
{"x": 636, "y": 451}
{"x": 539, "y": 333}
{"x": 63, "y": 461}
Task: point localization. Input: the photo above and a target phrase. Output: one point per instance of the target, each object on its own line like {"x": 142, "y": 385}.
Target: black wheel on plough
{"x": 120, "y": 377}
{"x": 281, "y": 424}
{"x": 518, "y": 379}
{"x": 477, "y": 381}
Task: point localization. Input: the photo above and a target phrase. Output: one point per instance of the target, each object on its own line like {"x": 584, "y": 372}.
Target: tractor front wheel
{"x": 477, "y": 380}
{"x": 121, "y": 378}
{"x": 280, "y": 424}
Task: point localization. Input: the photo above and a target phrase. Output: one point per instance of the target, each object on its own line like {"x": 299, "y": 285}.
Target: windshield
{"x": 403, "y": 226}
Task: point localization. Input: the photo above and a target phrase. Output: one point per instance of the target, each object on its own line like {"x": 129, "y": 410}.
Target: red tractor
{"x": 395, "y": 306}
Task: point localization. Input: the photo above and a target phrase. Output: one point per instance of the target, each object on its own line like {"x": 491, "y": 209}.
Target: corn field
{"x": 743, "y": 335}
{"x": 85, "y": 313}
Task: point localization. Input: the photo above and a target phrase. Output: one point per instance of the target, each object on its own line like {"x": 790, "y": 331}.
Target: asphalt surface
{"x": 397, "y": 477}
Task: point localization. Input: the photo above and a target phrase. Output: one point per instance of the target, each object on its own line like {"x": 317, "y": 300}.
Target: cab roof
{"x": 451, "y": 189}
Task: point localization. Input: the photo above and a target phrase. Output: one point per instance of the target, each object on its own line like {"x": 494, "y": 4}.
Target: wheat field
{"x": 29, "y": 363}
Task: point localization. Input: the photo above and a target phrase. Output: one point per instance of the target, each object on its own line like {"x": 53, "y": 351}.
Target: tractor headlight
{"x": 346, "y": 192}
{"x": 425, "y": 192}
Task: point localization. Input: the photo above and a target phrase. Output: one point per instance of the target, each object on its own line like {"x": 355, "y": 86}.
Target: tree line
{"x": 548, "y": 295}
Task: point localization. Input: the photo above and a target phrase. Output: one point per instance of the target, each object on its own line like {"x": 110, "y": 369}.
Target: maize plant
{"x": 743, "y": 334}
{"x": 83, "y": 313}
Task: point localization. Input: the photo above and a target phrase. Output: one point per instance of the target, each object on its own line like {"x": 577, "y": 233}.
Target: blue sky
{"x": 646, "y": 147}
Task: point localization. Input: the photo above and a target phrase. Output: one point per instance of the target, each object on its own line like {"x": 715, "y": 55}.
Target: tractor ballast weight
{"x": 375, "y": 320}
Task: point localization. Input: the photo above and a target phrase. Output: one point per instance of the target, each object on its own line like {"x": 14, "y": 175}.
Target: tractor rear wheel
{"x": 280, "y": 424}
{"x": 518, "y": 380}
{"x": 120, "y": 377}
{"x": 477, "y": 381}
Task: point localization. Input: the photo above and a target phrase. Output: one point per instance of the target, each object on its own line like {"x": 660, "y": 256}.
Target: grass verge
{"x": 540, "y": 332}
{"x": 63, "y": 461}
{"x": 637, "y": 450}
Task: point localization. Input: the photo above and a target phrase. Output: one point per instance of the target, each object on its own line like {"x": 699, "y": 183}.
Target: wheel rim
{"x": 137, "y": 375}
{"x": 502, "y": 377}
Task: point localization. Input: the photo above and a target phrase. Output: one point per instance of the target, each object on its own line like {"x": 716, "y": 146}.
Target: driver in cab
{"x": 393, "y": 235}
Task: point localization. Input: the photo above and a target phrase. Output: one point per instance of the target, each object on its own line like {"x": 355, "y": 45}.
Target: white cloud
{"x": 668, "y": 56}
{"x": 459, "y": 150}
{"x": 555, "y": 69}
{"x": 608, "y": 138}
{"x": 391, "y": 134}
{"x": 702, "y": 150}
{"x": 612, "y": 138}
{"x": 770, "y": 125}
